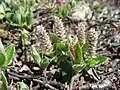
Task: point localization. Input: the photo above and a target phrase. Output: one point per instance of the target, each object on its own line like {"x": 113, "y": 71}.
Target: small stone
{"x": 110, "y": 70}
{"x": 114, "y": 78}
{"x": 36, "y": 68}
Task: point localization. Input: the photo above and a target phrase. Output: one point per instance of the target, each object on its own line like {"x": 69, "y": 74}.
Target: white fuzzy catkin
{"x": 43, "y": 39}
{"x": 81, "y": 28}
{"x": 59, "y": 28}
{"x": 92, "y": 41}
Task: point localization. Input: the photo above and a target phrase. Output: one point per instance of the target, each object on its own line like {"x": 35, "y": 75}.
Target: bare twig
{"x": 105, "y": 84}
{"x": 21, "y": 76}
{"x": 45, "y": 84}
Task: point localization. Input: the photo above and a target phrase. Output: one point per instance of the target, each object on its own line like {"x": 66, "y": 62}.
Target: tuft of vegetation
{"x": 6, "y": 55}
{"x": 18, "y": 13}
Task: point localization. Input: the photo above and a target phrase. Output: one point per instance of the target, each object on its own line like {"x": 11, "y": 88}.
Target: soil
{"x": 103, "y": 77}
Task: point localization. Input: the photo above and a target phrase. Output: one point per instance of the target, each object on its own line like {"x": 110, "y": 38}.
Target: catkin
{"x": 59, "y": 29}
{"x": 81, "y": 28}
{"x": 92, "y": 42}
{"x": 43, "y": 39}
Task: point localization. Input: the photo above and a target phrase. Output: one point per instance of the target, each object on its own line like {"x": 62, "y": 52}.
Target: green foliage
{"x": 4, "y": 81}
{"x": 78, "y": 51}
{"x": 75, "y": 55}
{"x": 20, "y": 17}
{"x": 25, "y": 36}
{"x": 6, "y": 55}
{"x": 66, "y": 67}
{"x": 115, "y": 44}
{"x": 60, "y": 48}
{"x": 9, "y": 54}
{"x": 71, "y": 3}
{"x": 78, "y": 67}
{"x": 62, "y": 10}
{"x": 2, "y": 12}
{"x": 41, "y": 60}
{"x": 2, "y": 59}
{"x": 36, "y": 55}
{"x": 70, "y": 53}
{"x": 23, "y": 86}
{"x": 82, "y": 61}
{"x": 95, "y": 61}
{"x": 97, "y": 6}
{"x": 18, "y": 13}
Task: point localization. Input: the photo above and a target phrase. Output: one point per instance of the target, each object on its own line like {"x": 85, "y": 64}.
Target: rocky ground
{"x": 24, "y": 68}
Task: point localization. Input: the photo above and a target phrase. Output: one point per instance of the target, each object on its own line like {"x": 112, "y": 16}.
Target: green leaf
{"x": 2, "y": 59}
{"x": 66, "y": 68}
{"x": 10, "y": 50}
{"x": 15, "y": 24}
{"x": 17, "y": 18}
{"x": 24, "y": 37}
{"x": 78, "y": 67}
{"x": 1, "y": 16}
{"x": 29, "y": 19}
{"x": 101, "y": 59}
{"x": 45, "y": 62}
{"x": 23, "y": 86}
{"x": 2, "y": 11}
{"x": 4, "y": 80}
{"x": 8, "y": 16}
{"x": 20, "y": 13}
{"x": 91, "y": 62}
{"x": 62, "y": 11}
{"x": 61, "y": 48}
{"x": 78, "y": 51}
{"x": 115, "y": 44}
{"x": 53, "y": 38}
{"x": 22, "y": 10}
{"x": 36, "y": 55}
{"x": 14, "y": 19}
{"x": 96, "y": 61}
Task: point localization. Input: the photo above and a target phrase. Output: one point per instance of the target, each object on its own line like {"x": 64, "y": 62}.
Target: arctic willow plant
{"x": 81, "y": 49}
{"x": 44, "y": 42}
{"x": 42, "y": 47}
{"x": 84, "y": 54}
{"x": 73, "y": 54}
{"x": 18, "y": 13}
